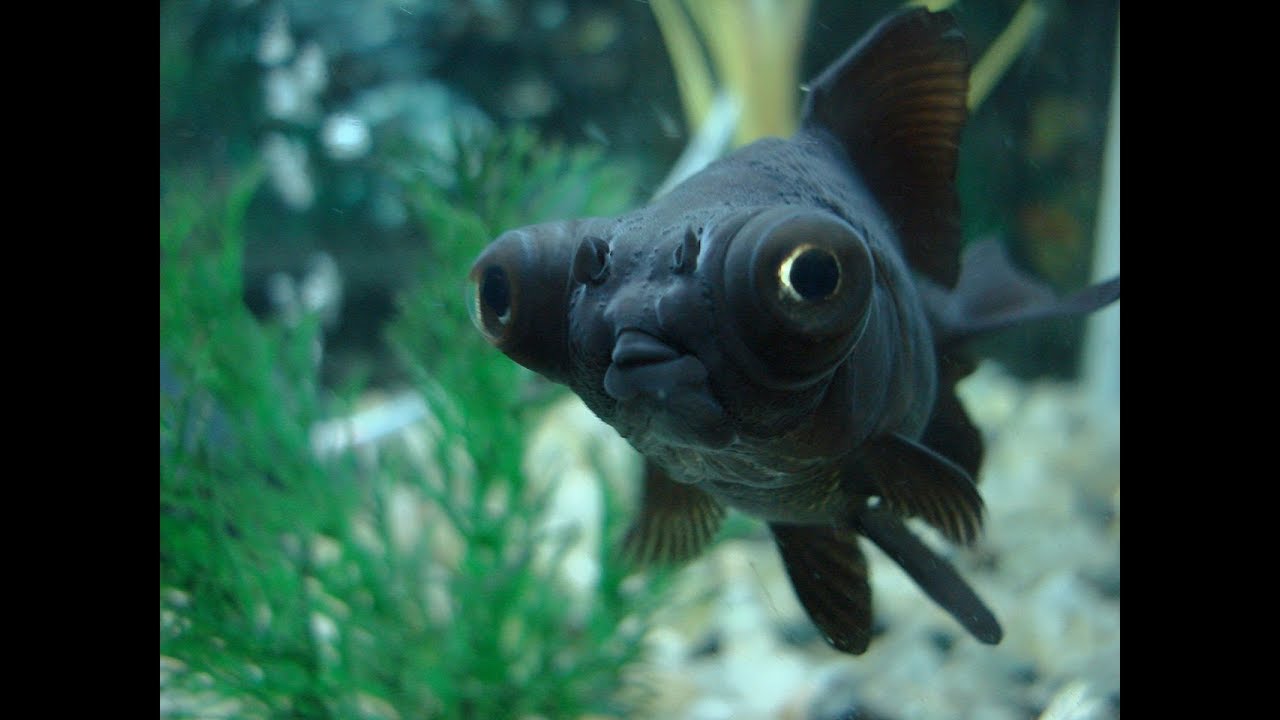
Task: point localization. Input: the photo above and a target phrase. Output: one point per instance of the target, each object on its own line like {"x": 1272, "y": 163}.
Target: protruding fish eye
{"x": 799, "y": 283}
{"x": 684, "y": 259}
{"x": 809, "y": 274}
{"x": 518, "y": 296}
{"x": 591, "y": 262}
{"x": 491, "y": 301}
{"x": 495, "y": 293}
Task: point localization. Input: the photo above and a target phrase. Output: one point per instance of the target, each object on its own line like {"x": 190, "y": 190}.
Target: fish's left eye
{"x": 809, "y": 273}
{"x": 798, "y": 283}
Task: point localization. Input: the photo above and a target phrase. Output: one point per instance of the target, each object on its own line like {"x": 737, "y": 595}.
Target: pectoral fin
{"x": 950, "y": 432}
{"x": 935, "y": 576}
{"x": 675, "y": 523}
{"x": 912, "y": 480}
{"x": 829, "y": 574}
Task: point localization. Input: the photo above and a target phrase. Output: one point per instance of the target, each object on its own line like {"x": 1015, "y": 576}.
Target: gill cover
{"x": 519, "y": 295}
{"x": 797, "y": 287}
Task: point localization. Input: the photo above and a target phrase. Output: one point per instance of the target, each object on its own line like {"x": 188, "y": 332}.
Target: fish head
{"x": 724, "y": 309}
{"x": 681, "y": 329}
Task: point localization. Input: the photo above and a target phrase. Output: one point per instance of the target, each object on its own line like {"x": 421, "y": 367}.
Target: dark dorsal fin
{"x": 896, "y": 103}
{"x": 676, "y": 521}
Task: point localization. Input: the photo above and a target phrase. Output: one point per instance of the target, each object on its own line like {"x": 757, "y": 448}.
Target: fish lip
{"x": 637, "y": 347}
{"x": 659, "y": 380}
{"x": 668, "y": 389}
{"x": 644, "y": 364}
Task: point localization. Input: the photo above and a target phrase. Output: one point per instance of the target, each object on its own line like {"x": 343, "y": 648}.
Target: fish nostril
{"x": 635, "y": 347}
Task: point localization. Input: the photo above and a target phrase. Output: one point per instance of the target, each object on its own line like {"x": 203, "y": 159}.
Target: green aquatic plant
{"x": 244, "y": 505}
{"x": 413, "y": 579}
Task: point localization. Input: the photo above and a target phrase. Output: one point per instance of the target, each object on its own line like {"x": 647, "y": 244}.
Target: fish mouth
{"x": 648, "y": 375}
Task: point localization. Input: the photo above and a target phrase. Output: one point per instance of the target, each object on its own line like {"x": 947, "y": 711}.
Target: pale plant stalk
{"x": 932, "y": 5}
{"x": 1006, "y": 48}
{"x": 754, "y": 47}
{"x": 756, "y": 44}
{"x": 693, "y": 77}
{"x": 1102, "y": 343}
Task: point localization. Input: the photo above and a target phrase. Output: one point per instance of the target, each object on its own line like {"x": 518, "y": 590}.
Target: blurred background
{"x": 351, "y": 521}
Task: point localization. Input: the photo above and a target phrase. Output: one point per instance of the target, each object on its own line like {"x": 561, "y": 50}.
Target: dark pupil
{"x": 494, "y": 291}
{"x": 814, "y": 274}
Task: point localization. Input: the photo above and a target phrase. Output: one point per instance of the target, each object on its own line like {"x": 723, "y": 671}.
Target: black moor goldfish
{"x": 783, "y": 332}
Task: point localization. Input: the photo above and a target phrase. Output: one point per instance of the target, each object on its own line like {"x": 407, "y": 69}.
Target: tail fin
{"x": 992, "y": 294}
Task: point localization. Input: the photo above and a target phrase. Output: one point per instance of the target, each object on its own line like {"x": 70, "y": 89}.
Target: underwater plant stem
{"x": 693, "y": 77}
{"x": 754, "y": 48}
{"x": 931, "y": 5}
{"x": 710, "y": 142}
{"x": 996, "y": 61}
{"x": 1102, "y": 341}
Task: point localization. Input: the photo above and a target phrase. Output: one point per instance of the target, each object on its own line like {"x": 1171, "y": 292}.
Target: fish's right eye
{"x": 495, "y": 294}
{"x": 517, "y": 295}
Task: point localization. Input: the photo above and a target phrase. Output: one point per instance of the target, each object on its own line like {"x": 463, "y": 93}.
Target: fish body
{"x": 782, "y": 333}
